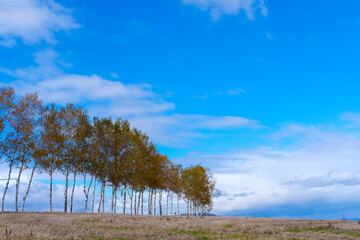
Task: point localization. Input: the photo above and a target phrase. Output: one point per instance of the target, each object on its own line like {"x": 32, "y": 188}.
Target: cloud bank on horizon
{"x": 267, "y": 160}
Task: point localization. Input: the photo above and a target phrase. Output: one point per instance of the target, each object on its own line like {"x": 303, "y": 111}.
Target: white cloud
{"x": 352, "y": 118}
{"x": 32, "y": 21}
{"x": 145, "y": 108}
{"x": 47, "y": 67}
{"x": 230, "y": 92}
{"x": 232, "y": 7}
{"x": 317, "y": 164}
{"x": 104, "y": 96}
{"x": 179, "y": 129}
{"x": 236, "y": 91}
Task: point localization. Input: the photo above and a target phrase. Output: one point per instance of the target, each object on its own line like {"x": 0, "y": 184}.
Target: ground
{"x": 116, "y": 226}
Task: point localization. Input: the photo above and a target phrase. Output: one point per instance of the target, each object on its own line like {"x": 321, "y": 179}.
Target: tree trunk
{"x": 124, "y": 200}
{"x": 28, "y": 188}
{"x": 131, "y": 201}
{"x": 66, "y": 191}
{"x": 112, "y": 199}
{"x": 155, "y": 202}
{"x": 93, "y": 200}
{"x": 51, "y": 191}
{"x": 167, "y": 203}
{"x": 121, "y": 193}
{"x": 138, "y": 205}
{"x": 189, "y": 202}
{"x": 115, "y": 199}
{"x": 149, "y": 200}
{"x": 171, "y": 208}
{"x": 135, "y": 202}
{"x": 195, "y": 209}
{"x": 101, "y": 192}
{"x": 72, "y": 193}
{"x": 160, "y": 202}
{"x": 178, "y": 204}
{"x": 17, "y": 187}
{"x": 6, "y": 186}
{"x": 142, "y": 202}
{"x": 87, "y": 191}
{"x": 103, "y": 197}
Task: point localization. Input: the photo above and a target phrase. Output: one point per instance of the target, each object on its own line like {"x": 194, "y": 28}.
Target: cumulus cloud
{"x": 33, "y": 21}
{"x": 302, "y": 165}
{"x": 146, "y": 109}
{"x": 184, "y": 127}
{"x": 232, "y": 7}
{"x": 107, "y": 97}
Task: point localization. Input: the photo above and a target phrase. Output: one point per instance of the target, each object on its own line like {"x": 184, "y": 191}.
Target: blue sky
{"x": 264, "y": 93}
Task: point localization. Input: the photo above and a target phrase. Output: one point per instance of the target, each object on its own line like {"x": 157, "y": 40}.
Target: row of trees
{"x": 51, "y": 139}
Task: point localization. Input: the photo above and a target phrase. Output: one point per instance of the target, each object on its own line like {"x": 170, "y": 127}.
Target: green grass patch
{"x": 101, "y": 238}
{"x": 204, "y": 234}
{"x": 202, "y": 238}
{"x": 319, "y": 229}
{"x": 190, "y": 232}
{"x": 353, "y": 234}
{"x": 92, "y": 220}
{"x": 228, "y": 226}
{"x": 240, "y": 236}
{"x": 121, "y": 228}
{"x": 324, "y": 230}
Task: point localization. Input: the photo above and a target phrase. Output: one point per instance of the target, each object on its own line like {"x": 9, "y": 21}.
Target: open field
{"x": 111, "y": 226}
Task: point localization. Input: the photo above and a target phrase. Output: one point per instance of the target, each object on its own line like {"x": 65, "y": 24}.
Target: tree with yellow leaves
{"x": 197, "y": 188}
{"x": 52, "y": 142}
{"x": 7, "y": 104}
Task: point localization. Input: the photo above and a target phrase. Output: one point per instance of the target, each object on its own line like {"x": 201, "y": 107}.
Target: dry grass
{"x": 111, "y": 226}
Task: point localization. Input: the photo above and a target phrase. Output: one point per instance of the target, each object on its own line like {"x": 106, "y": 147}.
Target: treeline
{"x": 51, "y": 139}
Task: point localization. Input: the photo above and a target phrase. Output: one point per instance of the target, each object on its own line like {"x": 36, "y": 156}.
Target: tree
{"x": 103, "y": 133}
{"x": 26, "y": 121}
{"x": 120, "y": 157}
{"x": 7, "y": 102}
{"x": 86, "y": 150}
{"x": 52, "y": 143}
{"x": 61, "y": 139}
{"x": 140, "y": 144}
{"x": 71, "y": 151}
{"x": 174, "y": 179}
{"x": 198, "y": 187}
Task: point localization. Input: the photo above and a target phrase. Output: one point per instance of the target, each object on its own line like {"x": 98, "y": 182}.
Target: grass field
{"x": 111, "y": 226}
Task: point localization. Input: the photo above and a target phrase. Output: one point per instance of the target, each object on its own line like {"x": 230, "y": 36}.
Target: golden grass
{"x": 112, "y": 226}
